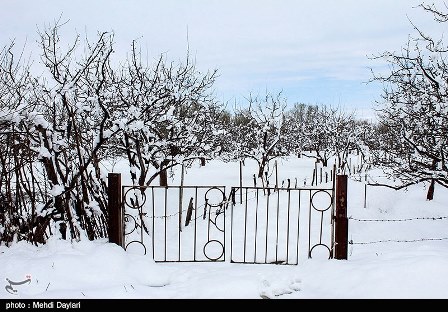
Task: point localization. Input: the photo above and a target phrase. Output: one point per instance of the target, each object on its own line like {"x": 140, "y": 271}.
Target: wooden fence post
{"x": 115, "y": 225}
{"x": 341, "y": 221}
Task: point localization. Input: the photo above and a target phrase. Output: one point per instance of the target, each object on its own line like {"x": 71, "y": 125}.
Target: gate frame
{"x": 221, "y": 206}
{"x": 341, "y": 220}
{"x": 339, "y": 243}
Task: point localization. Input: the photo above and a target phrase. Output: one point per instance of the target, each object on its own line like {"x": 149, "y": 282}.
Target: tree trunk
{"x": 260, "y": 172}
{"x": 163, "y": 174}
{"x": 261, "y": 168}
{"x": 430, "y": 194}
{"x": 163, "y": 178}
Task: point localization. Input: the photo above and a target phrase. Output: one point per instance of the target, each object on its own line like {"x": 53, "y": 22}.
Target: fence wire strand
{"x": 351, "y": 242}
{"x": 398, "y": 220}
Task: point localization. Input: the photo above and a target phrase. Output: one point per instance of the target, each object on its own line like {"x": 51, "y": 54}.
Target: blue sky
{"x": 315, "y": 51}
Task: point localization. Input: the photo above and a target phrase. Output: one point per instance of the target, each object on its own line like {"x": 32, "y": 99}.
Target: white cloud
{"x": 251, "y": 42}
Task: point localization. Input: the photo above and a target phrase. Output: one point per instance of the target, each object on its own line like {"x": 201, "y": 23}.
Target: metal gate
{"x": 267, "y": 225}
{"x": 179, "y": 224}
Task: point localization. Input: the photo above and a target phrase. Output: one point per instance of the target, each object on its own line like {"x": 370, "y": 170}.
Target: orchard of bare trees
{"x": 59, "y": 127}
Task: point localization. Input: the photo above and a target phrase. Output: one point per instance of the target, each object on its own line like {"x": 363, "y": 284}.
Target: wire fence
{"x": 399, "y": 220}
{"x": 351, "y": 242}
{"x": 224, "y": 205}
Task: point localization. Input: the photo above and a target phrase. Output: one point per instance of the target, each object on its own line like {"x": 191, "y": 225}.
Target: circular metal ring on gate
{"x": 329, "y": 252}
{"x": 216, "y": 222}
{"x": 221, "y": 246}
{"x": 210, "y": 203}
{"x": 138, "y": 242}
{"x": 129, "y": 219}
{"x": 130, "y": 199}
{"x": 323, "y": 192}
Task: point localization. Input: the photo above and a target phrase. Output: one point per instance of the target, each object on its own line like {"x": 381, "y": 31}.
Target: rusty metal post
{"x": 341, "y": 221}
{"x": 241, "y": 182}
{"x": 115, "y": 225}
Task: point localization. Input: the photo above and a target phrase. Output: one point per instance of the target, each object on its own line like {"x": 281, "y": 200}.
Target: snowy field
{"x": 403, "y": 257}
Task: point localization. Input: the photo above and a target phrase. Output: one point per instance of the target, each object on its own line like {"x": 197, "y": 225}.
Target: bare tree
{"x": 258, "y": 131}
{"x": 169, "y": 115}
{"x": 63, "y": 121}
{"x": 295, "y": 120}
{"x": 328, "y": 132}
{"x": 21, "y": 193}
{"x": 414, "y": 112}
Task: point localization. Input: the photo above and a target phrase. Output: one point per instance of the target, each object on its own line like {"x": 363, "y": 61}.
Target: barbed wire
{"x": 351, "y": 242}
{"x": 398, "y": 220}
{"x": 216, "y": 212}
{"x": 224, "y": 205}
{"x": 231, "y": 199}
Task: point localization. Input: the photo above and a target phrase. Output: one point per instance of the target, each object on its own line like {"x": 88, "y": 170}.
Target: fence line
{"x": 226, "y": 202}
{"x": 399, "y": 220}
{"x": 351, "y": 242}
{"x": 218, "y": 212}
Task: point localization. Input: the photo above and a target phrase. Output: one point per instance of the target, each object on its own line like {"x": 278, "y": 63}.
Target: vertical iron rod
{"x": 309, "y": 229}
{"x": 267, "y": 229}
{"x": 208, "y": 223}
{"x": 287, "y": 226}
{"x": 179, "y": 223}
{"x": 241, "y": 182}
{"x": 153, "y": 224}
{"x": 181, "y": 196}
{"x": 231, "y": 229}
{"x": 332, "y": 225}
{"x": 276, "y": 238}
{"x": 256, "y": 225}
{"x": 224, "y": 234}
{"x": 333, "y": 189}
{"x": 321, "y": 226}
{"x": 140, "y": 214}
{"x": 165, "y": 216}
{"x": 245, "y": 228}
{"x": 195, "y": 218}
{"x": 298, "y": 228}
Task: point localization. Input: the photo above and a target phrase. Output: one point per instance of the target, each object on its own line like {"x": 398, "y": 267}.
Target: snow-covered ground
{"x": 414, "y": 267}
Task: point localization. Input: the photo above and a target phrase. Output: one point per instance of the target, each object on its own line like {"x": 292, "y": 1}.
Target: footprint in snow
{"x": 276, "y": 288}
